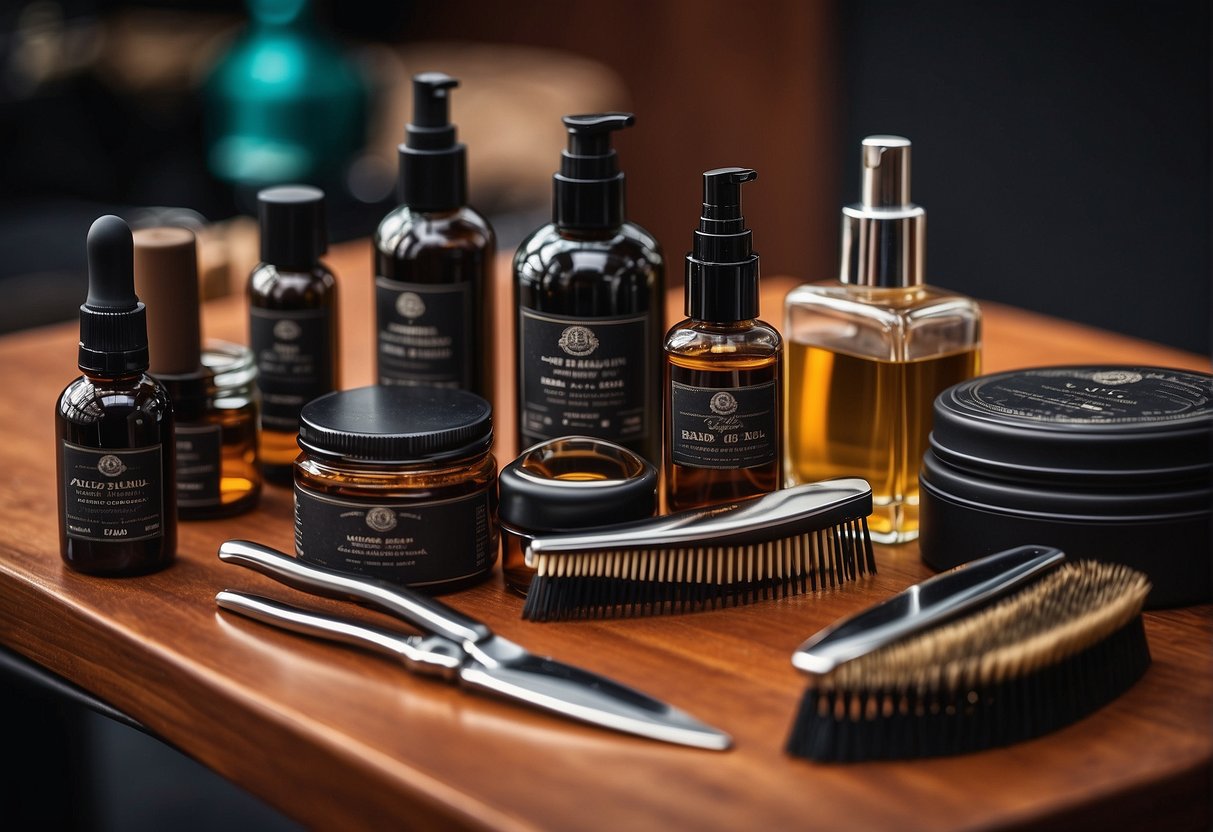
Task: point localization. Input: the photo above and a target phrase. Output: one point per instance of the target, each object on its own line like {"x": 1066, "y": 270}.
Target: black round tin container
{"x": 1104, "y": 462}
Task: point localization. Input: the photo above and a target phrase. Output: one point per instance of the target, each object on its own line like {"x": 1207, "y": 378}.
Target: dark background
{"x": 1061, "y": 149}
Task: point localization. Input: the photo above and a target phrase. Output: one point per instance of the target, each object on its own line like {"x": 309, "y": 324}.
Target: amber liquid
{"x": 689, "y": 487}
{"x": 240, "y": 471}
{"x": 859, "y": 417}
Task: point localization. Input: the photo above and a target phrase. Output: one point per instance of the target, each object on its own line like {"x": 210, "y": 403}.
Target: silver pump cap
{"x": 884, "y": 234}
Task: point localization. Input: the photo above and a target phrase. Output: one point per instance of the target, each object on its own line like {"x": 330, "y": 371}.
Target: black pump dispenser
{"x": 113, "y": 323}
{"x": 588, "y": 191}
{"x": 722, "y": 268}
{"x": 433, "y": 166}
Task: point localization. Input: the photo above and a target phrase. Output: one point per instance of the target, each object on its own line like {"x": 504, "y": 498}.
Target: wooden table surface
{"x": 341, "y": 739}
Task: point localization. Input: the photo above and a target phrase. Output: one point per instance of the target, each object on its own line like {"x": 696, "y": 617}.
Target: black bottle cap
{"x": 722, "y": 268}
{"x": 588, "y": 191}
{"x": 293, "y": 228}
{"x": 433, "y": 166}
{"x": 113, "y": 323}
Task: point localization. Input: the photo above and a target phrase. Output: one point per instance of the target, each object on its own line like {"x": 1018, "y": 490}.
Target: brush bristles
{"x": 1037, "y": 661}
{"x": 659, "y": 581}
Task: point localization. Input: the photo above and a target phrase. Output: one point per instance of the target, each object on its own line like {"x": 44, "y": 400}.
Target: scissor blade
{"x": 587, "y": 697}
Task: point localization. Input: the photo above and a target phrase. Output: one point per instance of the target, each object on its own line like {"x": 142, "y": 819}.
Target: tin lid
{"x": 396, "y": 425}
{"x": 1080, "y": 422}
{"x": 575, "y": 482}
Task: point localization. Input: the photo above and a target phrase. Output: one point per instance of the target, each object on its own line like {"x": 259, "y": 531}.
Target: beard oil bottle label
{"x": 199, "y": 461}
{"x": 425, "y": 334}
{"x": 723, "y": 427}
{"x": 113, "y": 494}
{"x": 584, "y": 376}
{"x": 405, "y": 543}
{"x": 293, "y": 350}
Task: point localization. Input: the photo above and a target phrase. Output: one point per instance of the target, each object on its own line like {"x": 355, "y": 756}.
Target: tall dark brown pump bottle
{"x": 589, "y": 294}
{"x": 723, "y": 366}
{"x": 434, "y": 258}
{"x": 114, "y": 428}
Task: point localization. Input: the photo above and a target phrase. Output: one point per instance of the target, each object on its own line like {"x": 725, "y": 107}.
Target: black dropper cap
{"x": 113, "y": 324}
{"x": 433, "y": 166}
{"x": 588, "y": 191}
{"x": 722, "y": 268}
{"x": 293, "y": 229}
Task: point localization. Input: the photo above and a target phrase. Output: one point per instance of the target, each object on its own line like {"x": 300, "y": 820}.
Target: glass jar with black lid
{"x": 398, "y": 484}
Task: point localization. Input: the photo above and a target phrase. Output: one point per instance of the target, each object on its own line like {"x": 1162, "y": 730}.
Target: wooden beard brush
{"x": 790, "y": 541}
{"x": 893, "y": 682}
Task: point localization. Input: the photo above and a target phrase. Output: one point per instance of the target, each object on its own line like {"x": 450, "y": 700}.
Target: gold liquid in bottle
{"x": 863, "y": 417}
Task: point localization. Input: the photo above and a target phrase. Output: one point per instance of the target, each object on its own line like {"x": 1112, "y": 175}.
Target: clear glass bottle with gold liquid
{"x": 868, "y": 353}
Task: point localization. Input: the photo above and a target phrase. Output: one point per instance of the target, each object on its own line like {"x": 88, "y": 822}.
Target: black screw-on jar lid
{"x": 1079, "y": 423}
{"x": 396, "y": 425}
{"x": 575, "y": 482}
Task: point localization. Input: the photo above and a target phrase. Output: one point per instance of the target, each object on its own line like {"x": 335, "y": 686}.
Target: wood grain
{"x": 342, "y": 739}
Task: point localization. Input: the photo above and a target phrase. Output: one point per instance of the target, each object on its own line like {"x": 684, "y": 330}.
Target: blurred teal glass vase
{"x": 284, "y": 101}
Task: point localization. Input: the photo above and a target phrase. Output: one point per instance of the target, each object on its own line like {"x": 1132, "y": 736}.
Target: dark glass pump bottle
{"x": 723, "y": 366}
{"x": 292, "y": 299}
{"x": 589, "y": 294}
{"x": 434, "y": 259}
{"x": 114, "y": 428}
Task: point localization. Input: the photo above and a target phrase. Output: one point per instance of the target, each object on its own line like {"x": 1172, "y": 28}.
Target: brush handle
{"x": 923, "y": 605}
{"x": 779, "y": 514}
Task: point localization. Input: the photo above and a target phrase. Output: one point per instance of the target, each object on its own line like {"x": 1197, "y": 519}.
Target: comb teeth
{"x": 1037, "y": 661}
{"x": 625, "y": 583}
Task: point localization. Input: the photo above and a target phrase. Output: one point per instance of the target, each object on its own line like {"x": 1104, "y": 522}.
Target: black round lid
{"x": 113, "y": 321}
{"x": 293, "y": 226}
{"x": 396, "y": 425}
{"x": 575, "y": 482}
{"x": 1080, "y": 421}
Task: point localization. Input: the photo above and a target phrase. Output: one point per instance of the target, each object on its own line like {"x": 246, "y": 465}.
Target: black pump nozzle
{"x": 722, "y": 268}
{"x": 589, "y": 190}
{"x": 113, "y": 323}
{"x": 433, "y": 166}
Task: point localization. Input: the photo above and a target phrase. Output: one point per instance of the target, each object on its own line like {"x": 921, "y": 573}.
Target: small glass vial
{"x": 868, "y": 353}
{"x": 234, "y": 405}
{"x": 399, "y": 484}
{"x": 569, "y": 484}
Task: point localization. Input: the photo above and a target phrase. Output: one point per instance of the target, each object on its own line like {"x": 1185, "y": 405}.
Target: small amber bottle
{"x": 292, "y": 300}
{"x": 114, "y": 428}
{"x": 434, "y": 259}
{"x": 589, "y": 292}
{"x": 723, "y": 366}
{"x": 214, "y": 445}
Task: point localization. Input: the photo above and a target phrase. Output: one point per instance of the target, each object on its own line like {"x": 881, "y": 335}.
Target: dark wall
{"x": 1061, "y": 149}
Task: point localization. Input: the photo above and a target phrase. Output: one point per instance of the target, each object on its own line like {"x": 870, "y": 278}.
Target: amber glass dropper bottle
{"x": 292, "y": 298}
{"x": 434, "y": 258}
{"x": 114, "y": 428}
{"x": 723, "y": 366}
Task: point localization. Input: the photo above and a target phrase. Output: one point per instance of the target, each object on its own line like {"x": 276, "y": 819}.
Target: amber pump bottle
{"x": 434, "y": 258}
{"x": 114, "y": 428}
{"x": 589, "y": 296}
{"x": 723, "y": 366}
{"x": 218, "y": 473}
{"x": 292, "y": 300}
{"x": 869, "y": 352}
